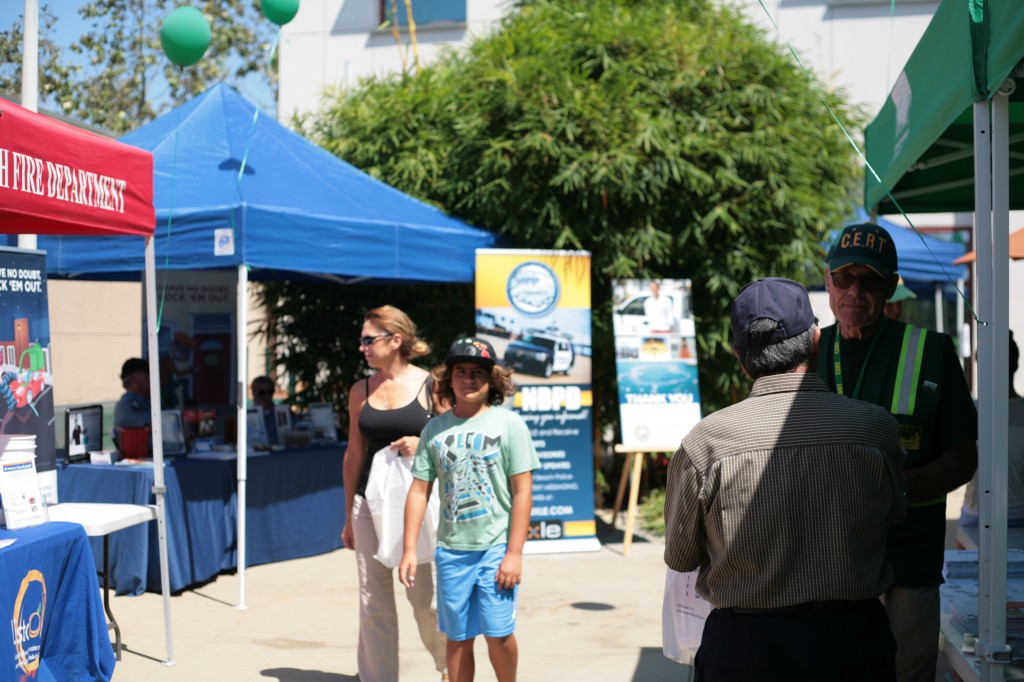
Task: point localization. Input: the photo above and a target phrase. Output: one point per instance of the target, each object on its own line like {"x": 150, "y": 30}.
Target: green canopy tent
{"x": 950, "y": 137}
{"x": 921, "y": 144}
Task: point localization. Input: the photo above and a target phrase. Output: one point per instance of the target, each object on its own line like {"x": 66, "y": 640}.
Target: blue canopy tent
{"x": 295, "y": 209}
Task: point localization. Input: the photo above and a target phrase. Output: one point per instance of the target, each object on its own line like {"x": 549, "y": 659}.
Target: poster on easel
{"x": 534, "y": 308}
{"x": 655, "y": 362}
{"x": 26, "y": 375}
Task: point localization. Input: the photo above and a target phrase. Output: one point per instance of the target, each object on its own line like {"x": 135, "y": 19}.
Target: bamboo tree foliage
{"x": 116, "y": 75}
{"x": 668, "y": 137}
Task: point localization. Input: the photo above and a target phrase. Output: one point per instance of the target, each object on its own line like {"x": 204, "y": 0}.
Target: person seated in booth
{"x": 1014, "y": 459}
{"x": 132, "y": 410}
{"x": 263, "y": 396}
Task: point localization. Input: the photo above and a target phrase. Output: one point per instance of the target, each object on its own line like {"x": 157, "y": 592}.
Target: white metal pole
{"x": 993, "y": 259}
{"x": 940, "y": 313}
{"x": 159, "y": 489}
{"x": 241, "y": 317}
{"x": 30, "y": 81}
{"x": 962, "y": 330}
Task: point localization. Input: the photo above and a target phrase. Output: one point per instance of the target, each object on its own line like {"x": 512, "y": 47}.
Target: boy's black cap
{"x": 471, "y": 349}
{"x": 774, "y": 298}
{"x": 132, "y": 365}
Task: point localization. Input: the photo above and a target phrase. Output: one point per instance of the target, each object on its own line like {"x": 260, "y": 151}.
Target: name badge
{"x": 910, "y": 437}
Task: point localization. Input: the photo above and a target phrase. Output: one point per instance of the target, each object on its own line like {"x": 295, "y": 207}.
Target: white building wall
{"x": 859, "y": 46}
{"x": 334, "y": 43}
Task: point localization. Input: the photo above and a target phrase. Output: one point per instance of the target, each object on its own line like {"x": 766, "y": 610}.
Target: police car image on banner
{"x": 534, "y": 308}
{"x": 655, "y": 362}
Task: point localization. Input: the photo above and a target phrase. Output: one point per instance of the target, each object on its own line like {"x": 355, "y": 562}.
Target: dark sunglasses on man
{"x": 870, "y": 283}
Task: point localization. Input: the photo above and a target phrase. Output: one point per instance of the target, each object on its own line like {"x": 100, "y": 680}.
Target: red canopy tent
{"x": 58, "y": 179}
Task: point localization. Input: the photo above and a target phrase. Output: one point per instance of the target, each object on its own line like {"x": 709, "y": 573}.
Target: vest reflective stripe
{"x": 904, "y": 393}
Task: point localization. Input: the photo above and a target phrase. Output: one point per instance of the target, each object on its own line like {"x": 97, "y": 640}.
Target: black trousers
{"x": 852, "y": 643}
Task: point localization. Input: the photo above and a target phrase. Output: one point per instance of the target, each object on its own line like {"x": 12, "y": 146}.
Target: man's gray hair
{"x": 763, "y": 358}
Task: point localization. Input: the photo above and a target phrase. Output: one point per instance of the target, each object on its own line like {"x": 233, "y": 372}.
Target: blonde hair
{"x": 391, "y": 320}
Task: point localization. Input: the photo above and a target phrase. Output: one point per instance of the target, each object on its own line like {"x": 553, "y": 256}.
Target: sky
{"x": 70, "y": 26}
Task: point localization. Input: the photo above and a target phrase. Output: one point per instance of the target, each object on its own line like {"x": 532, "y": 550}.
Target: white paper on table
{"x": 19, "y": 487}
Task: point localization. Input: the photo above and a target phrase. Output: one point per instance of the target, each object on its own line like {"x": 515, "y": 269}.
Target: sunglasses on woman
{"x": 366, "y": 341}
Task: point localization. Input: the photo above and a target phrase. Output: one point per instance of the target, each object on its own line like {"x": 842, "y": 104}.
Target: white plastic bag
{"x": 682, "y": 617}
{"x": 386, "y": 490}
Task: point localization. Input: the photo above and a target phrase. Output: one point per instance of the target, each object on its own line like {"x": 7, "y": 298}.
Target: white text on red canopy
{"x": 24, "y": 173}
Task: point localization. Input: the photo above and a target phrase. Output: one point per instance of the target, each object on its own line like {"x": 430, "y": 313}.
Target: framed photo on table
{"x": 172, "y": 433}
{"x": 324, "y": 426}
{"x": 256, "y": 428}
{"x": 283, "y": 421}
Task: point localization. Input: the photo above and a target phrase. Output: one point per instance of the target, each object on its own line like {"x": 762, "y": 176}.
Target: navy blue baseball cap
{"x": 774, "y": 298}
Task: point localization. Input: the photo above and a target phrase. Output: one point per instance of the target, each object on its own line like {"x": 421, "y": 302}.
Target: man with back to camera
{"x": 915, "y": 374}
{"x": 782, "y": 502}
{"x": 132, "y": 410}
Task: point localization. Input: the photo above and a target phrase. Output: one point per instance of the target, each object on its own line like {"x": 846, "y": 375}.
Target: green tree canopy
{"x": 671, "y": 138}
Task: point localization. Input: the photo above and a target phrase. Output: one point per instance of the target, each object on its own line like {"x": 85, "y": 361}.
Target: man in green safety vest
{"x": 915, "y": 374}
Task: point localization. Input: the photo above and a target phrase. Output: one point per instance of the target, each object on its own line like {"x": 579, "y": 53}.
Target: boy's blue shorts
{"x": 469, "y": 602}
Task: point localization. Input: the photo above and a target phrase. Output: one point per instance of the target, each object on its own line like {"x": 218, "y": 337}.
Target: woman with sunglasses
{"x": 389, "y": 408}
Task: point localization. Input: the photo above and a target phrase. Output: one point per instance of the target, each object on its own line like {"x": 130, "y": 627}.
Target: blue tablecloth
{"x": 295, "y": 502}
{"x": 52, "y": 607}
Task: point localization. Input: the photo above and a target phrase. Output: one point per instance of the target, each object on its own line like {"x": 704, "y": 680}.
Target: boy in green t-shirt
{"x": 483, "y": 458}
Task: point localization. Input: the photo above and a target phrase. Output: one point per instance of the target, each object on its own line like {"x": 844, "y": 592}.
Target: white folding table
{"x": 102, "y": 519}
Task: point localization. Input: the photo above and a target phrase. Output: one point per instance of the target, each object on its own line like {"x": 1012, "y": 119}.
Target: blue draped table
{"x": 52, "y": 607}
{"x": 295, "y": 503}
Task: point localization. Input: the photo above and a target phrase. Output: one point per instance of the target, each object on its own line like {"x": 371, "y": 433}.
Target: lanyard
{"x": 838, "y": 365}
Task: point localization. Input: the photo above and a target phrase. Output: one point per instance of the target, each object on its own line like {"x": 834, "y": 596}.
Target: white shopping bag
{"x": 682, "y": 616}
{"x": 386, "y": 490}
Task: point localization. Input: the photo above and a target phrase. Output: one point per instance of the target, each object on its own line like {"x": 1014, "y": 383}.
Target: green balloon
{"x": 185, "y": 35}
{"x": 280, "y": 12}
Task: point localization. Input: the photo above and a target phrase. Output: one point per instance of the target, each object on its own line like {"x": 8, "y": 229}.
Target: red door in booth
{"x": 213, "y": 368}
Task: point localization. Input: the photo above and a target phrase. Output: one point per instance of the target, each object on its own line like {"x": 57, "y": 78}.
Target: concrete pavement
{"x": 586, "y": 617}
{"x": 593, "y": 616}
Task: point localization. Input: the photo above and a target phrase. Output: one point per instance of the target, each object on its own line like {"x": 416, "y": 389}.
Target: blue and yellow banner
{"x": 534, "y": 307}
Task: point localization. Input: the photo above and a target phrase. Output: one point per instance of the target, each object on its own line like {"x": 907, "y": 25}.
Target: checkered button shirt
{"x": 786, "y": 497}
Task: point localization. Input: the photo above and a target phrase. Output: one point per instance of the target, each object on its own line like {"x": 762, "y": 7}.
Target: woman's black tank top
{"x": 382, "y": 427}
